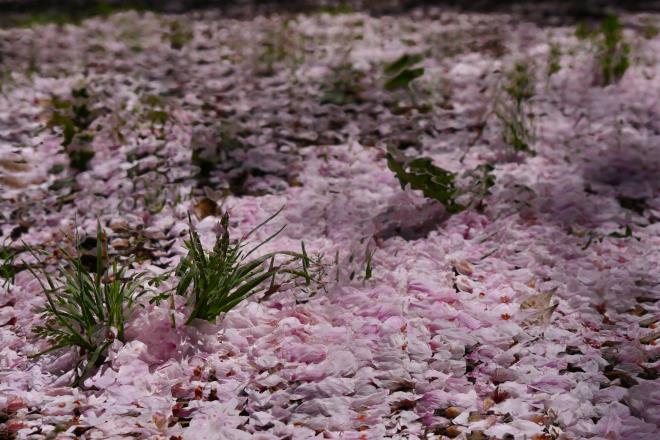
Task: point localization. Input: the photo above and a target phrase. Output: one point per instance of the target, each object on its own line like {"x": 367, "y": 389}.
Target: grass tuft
{"x": 215, "y": 282}
{"x": 512, "y": 108}
{"x": 84, "y": 310}
{"x": 8, "y": 269}
{"x": 179, "y": 34}
{"x": 74, "y": 118}
{"x": 343, "y": 86}
{"x": 612, "y": 51}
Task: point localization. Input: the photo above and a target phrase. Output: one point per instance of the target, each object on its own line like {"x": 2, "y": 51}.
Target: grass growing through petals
{"x": 74, "y": 118}
{"x": 554, "y": 59}
{"x": 512, "y": 108}
{"x": 343, "y": 86}
{"x": 339, "y": 9}
{"x": 280, "y": 44}
{"x": 215, "y": 282}
{"x": 612, "y": 51}
{"x": 86, "y": 311}
{"x": 179, "y": 35}
{"x": 8, "y": 269}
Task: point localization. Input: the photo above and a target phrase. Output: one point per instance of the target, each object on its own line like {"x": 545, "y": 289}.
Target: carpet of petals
{"x": 435, "y": 344}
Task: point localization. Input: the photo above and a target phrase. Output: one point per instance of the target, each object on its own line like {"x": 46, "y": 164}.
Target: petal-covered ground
{"x": 531, "y": 316}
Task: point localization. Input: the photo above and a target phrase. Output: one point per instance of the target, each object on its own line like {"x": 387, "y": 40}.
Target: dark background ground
{"x": 567, "y": 9}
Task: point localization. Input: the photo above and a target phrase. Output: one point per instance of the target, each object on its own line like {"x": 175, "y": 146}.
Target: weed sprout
{"x": 554, "y": 58}
{"x": 74, "y": 118}
{"x": 512, "y": 108}
{"x": 343, "y": 85}
{"x": 612, "y": 51}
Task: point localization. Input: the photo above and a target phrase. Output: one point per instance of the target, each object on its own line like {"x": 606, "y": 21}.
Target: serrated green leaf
{"x": 403, "y": 62}
{"x": 404, "y": 78}
{"x": 436, "y": 183}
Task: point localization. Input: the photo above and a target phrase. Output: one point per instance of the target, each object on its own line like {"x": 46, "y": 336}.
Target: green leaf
{"x": 436, "y": 183}
{"x": 635, "y": 204}
{"x": 583, "y": 31}
{"x": 80, "y": 93}
{"x": 403, "y": 62}
{"x": 157, "y": 116}
{"x": 368, "y": 270}
{"x": 627, "y": 233}
{"x": 404, "y": 78}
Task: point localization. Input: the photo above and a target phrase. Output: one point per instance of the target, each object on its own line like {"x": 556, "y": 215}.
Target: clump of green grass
{"x": 479, "y": 181}
{"x": 8, "y": 268}
{"x": 155, "y": 199}
{"x": 365, "y": 265}
{"x": 512, "y": 108}
{"x": 215, "y": 282}
{"x": 584, "y": 31}
{"x": 280, "y": 43}
{"x": 74, "y": 117}
{"x": 612, "y": 51}
{"x": 554, "y": 58}
{"x": 208, "y": 157}
{"x": 179, "y": 34}
{"x": 156, "y": 109}
{"x": 272, "y": 52}
{"x": 650, "y": 31}
{"x": 86, "y": 311}
{"x": 340, "y": 9}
